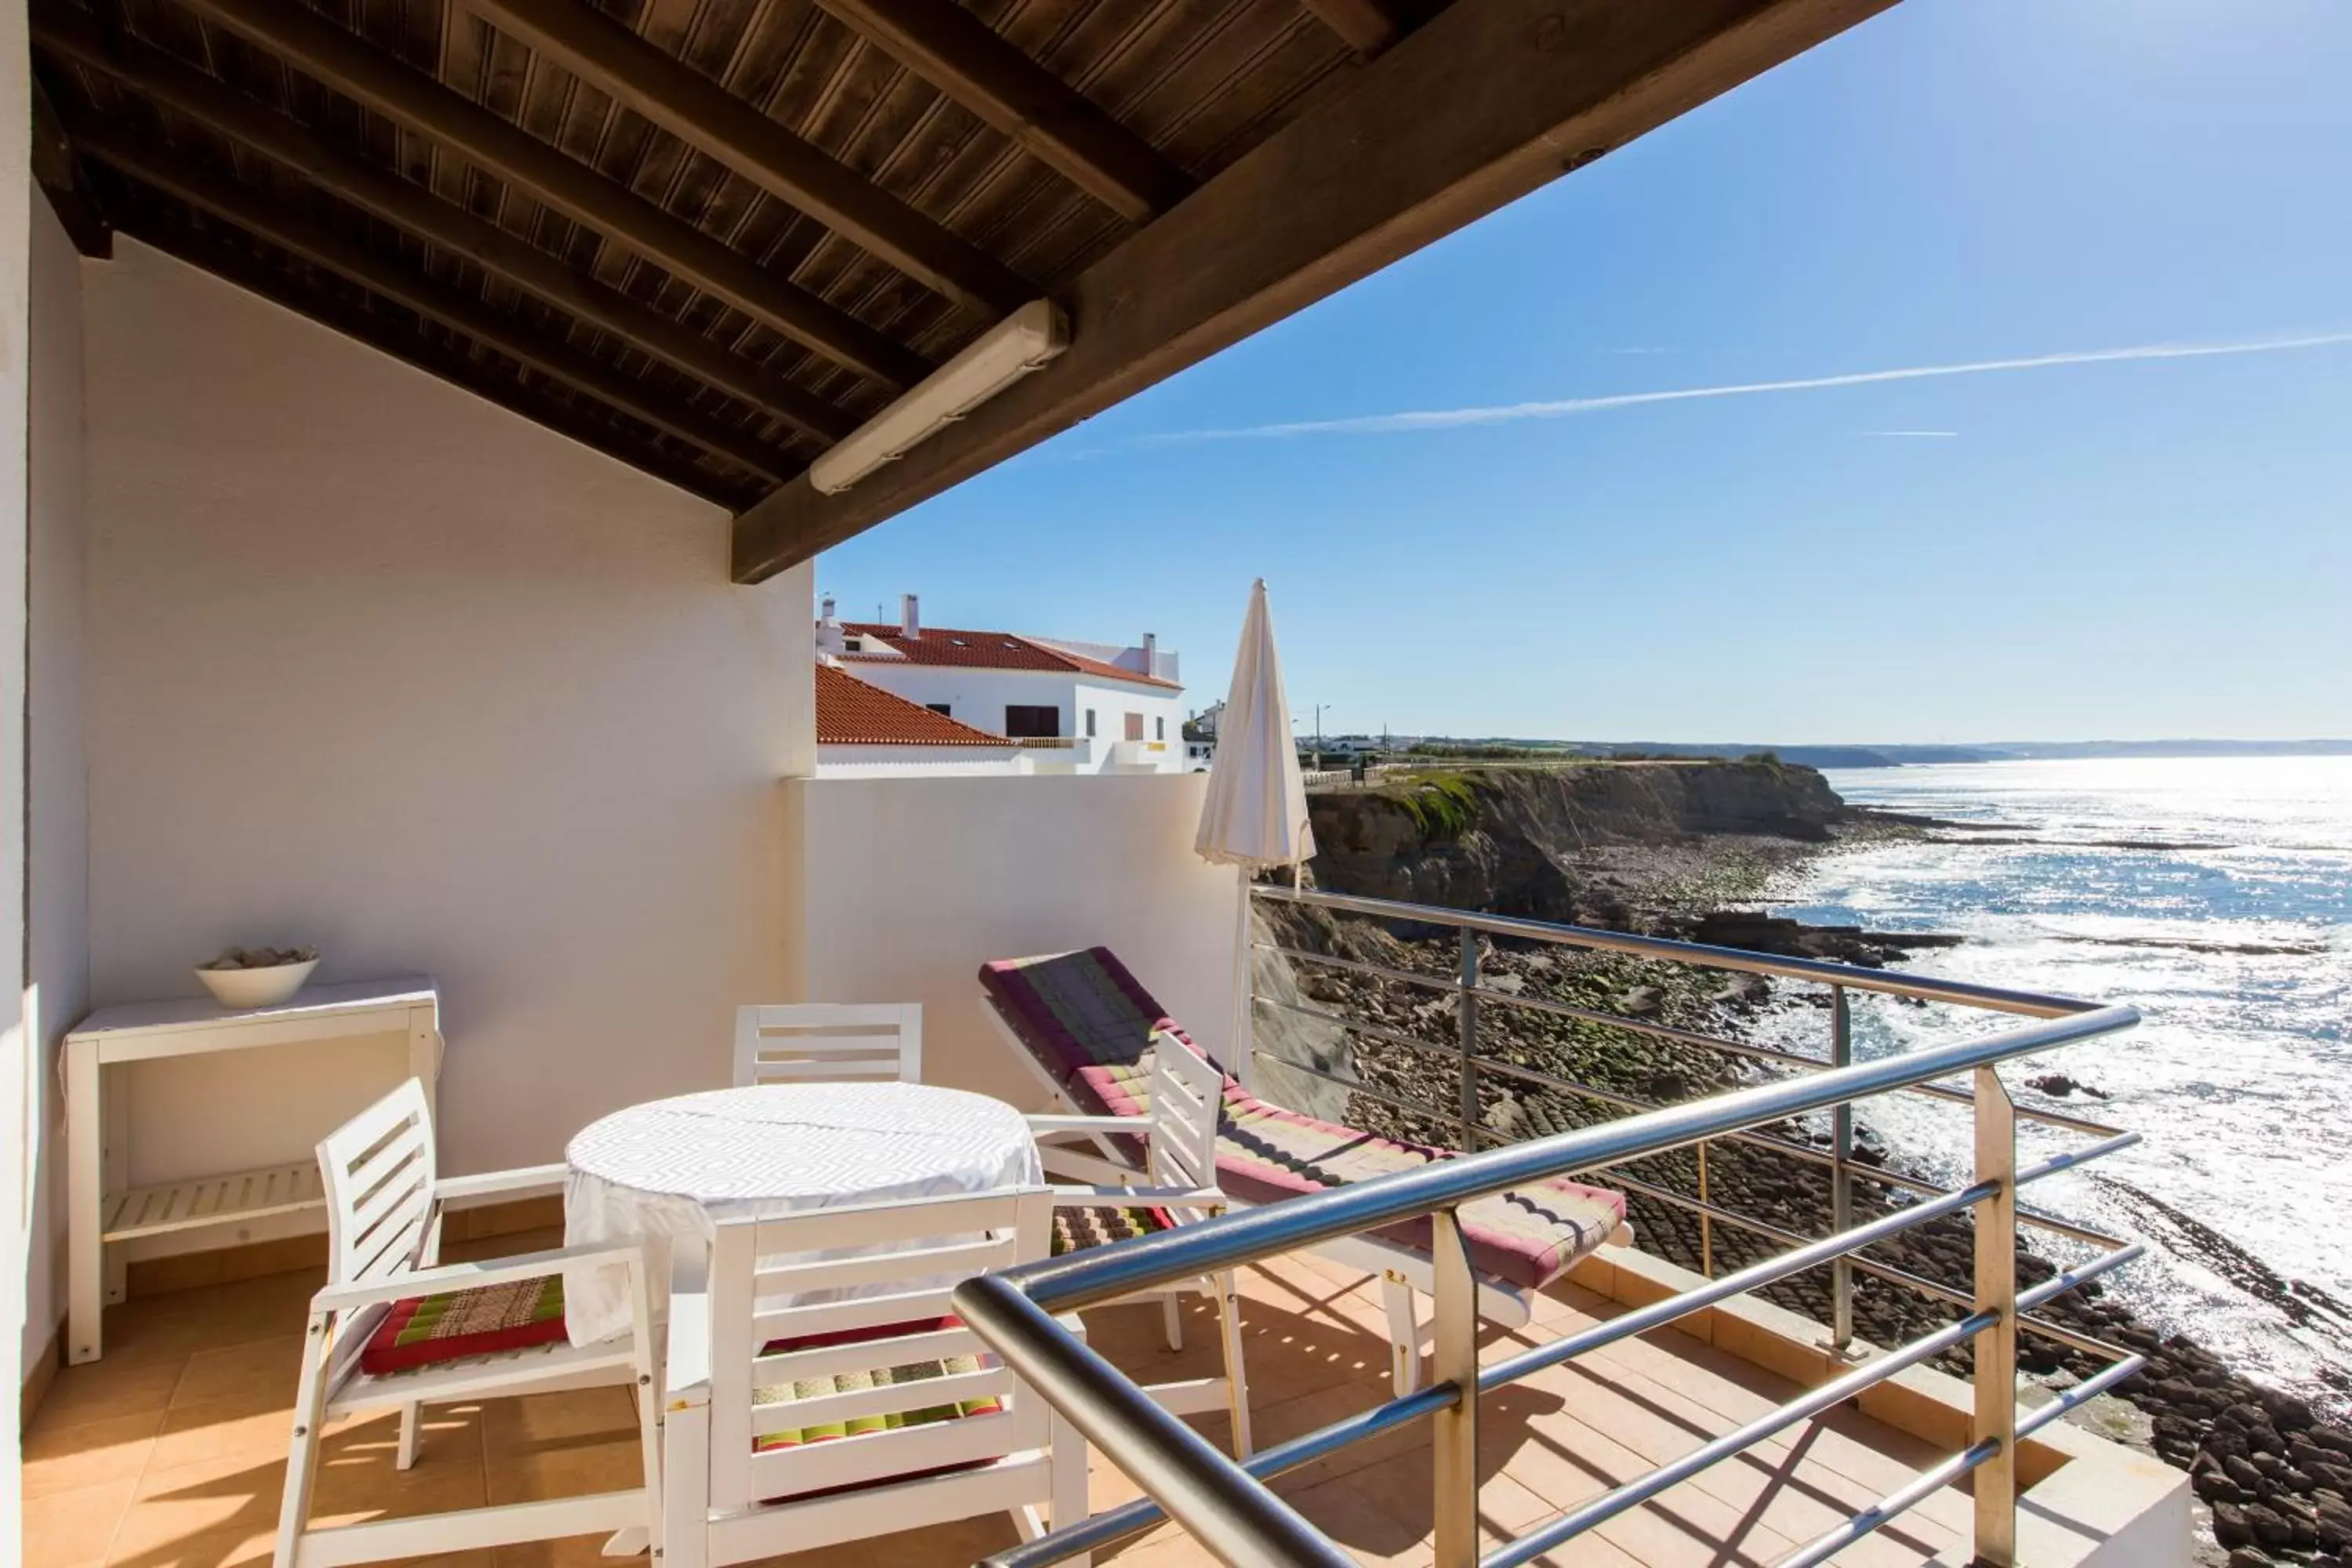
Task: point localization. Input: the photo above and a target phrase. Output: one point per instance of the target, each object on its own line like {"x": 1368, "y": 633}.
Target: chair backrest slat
{"x": 1187, "y": 1092}
{"x": 378, "y": 1170}
{"x": 829, "y": 1042}
{"x": 885, "y": 1354}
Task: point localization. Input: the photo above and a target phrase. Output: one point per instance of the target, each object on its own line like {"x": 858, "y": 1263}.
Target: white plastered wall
{"x": 58, "y": 887}
{"x": 911, "y": 884}
{"x": 378, "y": 665}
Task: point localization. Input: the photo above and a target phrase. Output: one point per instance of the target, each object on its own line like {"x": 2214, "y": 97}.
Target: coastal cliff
{"x": 1619, "y": 845}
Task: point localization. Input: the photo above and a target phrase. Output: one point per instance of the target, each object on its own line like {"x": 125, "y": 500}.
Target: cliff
{"x": 1613, "y": 843}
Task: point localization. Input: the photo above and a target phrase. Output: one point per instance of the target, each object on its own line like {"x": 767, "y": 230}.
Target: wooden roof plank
{"x": 672, "y": 94}
{"x": 963, "y": 56}
{"x": 378, "y": 332}
{"x": 233, "y": 203}
{"x": 1529, "y": 89}
{"x": 246, "y": 123}
{"x": 358, "y": 71}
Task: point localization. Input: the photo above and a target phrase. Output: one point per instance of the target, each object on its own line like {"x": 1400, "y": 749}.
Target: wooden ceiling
{"x": 710, "y": 237}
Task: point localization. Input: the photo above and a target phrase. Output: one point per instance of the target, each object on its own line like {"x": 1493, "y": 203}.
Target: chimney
{"x": 824, "y": 608}
{"x": 910, "y": 625}
{"x": 829, "y": 640}
{"x": 1151, "y": 653}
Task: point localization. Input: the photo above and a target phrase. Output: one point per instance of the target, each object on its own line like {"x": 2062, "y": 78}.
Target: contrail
{"x": 1559, "y": 408}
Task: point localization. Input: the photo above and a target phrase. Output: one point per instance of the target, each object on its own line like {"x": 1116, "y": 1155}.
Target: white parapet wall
{"x": 906, "y": 886}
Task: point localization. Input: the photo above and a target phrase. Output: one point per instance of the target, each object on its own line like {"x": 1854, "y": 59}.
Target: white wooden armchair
{"x": 862, "y": 1406}
{"x": 1179, "y": 1161}
{"x": 828, "y": 1042}
{"x": 395, "y": 1328}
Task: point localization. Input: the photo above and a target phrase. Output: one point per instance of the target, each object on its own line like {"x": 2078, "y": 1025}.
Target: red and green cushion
{"x": 1089, "y": 1023}
{"x": 426, "y": 1331}
{"x": 1077, "y": 1226}
{"x": 913, "y": 1372}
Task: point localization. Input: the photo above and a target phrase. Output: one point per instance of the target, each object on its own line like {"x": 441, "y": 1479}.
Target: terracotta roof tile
{"x": 955, "y": 647}
{"x": 849, "y": 712}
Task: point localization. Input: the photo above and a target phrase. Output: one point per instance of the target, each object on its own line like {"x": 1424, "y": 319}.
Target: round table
{"x": 667, "y": 1171}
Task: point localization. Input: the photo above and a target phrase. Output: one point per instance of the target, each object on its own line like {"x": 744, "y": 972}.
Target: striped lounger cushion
{"x": 1089, "y": 1024}
{"x": 425, "y": 1331}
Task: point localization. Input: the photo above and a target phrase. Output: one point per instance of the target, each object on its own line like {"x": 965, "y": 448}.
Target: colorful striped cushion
{"x": 1089, "y": 1023}
{"x": 879, "y": 1377}
{"x": 423, "y": 1331}
{"x": 1101, "y": 1224}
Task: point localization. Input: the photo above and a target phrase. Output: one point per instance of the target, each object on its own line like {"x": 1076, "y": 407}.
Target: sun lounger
{"x": 1084, "y": 1022}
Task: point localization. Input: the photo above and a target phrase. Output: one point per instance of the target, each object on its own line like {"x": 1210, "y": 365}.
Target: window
{"x": 1134, "y": 726}
{"x": 1160, "y": 728}
{"x": 854, "y": 645}
{"x": 1027, "y": 720}
{"x": 1090, "y": 723}
{"x": 946, "y": 709}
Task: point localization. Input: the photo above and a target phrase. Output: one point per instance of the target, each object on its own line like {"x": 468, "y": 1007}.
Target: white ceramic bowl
{"x": 245, "y": 988}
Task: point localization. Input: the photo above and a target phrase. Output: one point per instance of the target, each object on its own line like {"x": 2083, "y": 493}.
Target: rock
{"x": 2061, "y": 1086}
{"x": 2270, "y": 1528}
{"x": 2247, "y": 1557}
{"x": 2229, "y": 1525}
{"x": 2248, "y": 1477}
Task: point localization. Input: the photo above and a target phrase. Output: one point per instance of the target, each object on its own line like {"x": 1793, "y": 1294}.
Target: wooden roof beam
{"x": 164, "y": 77}
{"x": 379, "y": 331}
{"x": 1367, "y": 27}
{"x": 232, "y": 202}
{"x": 1478, "y": 106}
{"x": 53, "y": 170}
{"x": 351, "y": 66}
{"x": 673, "y": 95}
{"x": 965, "y": 59}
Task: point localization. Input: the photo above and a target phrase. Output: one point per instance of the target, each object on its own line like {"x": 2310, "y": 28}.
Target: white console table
{"x": 107, "y": 1209}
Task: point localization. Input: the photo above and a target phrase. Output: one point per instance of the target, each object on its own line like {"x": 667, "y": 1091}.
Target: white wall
{"x": 910, "y": 885}
{"x": 17, "y": 1059}
{"x": 930, "y": 761}
{"x": 58, "y": 890}
{"x": 978, "y": 698}
{"x": 378, "y": 665}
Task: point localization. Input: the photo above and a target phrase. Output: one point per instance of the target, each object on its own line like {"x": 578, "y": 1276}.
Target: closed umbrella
{"x": 1256, "y": 815}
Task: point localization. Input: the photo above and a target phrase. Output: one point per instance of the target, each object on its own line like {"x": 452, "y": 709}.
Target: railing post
{"x": 1840, "y": 1178}
{"x": 1996, "y": 1347}
{"x": 1455, "y": 1433}
{"x": 1466, "y": 1023}
{"x": 1706, "y": 1220}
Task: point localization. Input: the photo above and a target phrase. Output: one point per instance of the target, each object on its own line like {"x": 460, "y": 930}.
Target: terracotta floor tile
{"x": 65, "y": 1529}
{"x": 259, "y": 1369}
{"x": 104, "y": 1389}
{"x": 59, "y": 1458}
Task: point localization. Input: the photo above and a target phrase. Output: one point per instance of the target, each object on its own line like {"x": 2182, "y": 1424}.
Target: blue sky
{"x": 2146, "y": 547}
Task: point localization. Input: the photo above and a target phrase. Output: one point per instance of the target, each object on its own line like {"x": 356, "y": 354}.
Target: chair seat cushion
{"x": 425, "y": 1331}
{"x": 1079, "y": 1227}
{"x": 879, "y": 1377}
{"x": 1089, "y": 1024}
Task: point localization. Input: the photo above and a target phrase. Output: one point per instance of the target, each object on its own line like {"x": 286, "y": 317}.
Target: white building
{"x": 863, "y": 731}
{"x": 1072, "y": 707}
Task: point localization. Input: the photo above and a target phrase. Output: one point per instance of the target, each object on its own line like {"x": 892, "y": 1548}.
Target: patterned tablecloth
{"x": 666, "y": 1171}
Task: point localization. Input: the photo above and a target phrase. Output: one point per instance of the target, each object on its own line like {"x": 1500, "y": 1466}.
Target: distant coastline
{"x": 1870, "y": 755}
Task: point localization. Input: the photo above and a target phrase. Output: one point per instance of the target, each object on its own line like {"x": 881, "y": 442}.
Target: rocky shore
{"x": 1641, "y": 850}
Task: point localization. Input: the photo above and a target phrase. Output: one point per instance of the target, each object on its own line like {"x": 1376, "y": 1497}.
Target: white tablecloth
{"x": 666, "y": 1171}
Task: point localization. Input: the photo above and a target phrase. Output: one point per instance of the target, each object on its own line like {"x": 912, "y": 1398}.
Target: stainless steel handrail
{"x": 1925, "y": 988}
{"x": 1229, "y": 1509}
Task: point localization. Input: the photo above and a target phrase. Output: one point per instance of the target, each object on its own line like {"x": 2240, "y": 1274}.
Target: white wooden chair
{"x": 829, "y": 1042}
{"x": 394, "y": 1328}
{"x": 1179, "y": 1160}
{"x": 848, "y": 1413}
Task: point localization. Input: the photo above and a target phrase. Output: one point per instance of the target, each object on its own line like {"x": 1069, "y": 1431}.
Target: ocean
{"x": 2216, "y": 895}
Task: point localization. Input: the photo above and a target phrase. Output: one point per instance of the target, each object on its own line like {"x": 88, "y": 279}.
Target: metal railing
{"x": 1227, "y": 1507}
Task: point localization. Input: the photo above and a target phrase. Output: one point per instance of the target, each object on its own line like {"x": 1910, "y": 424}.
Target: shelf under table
{"x": 210, "y": 1199}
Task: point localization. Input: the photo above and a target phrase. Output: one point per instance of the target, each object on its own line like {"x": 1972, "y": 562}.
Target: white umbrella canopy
{"x": 1256, "y": 814}
{"x": 1255, "y": 817}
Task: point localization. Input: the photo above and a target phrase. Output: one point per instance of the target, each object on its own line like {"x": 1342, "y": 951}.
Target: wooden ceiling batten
{"x": 237, "y": 204}
{"x": 1533, "y": 88}
{"x": 716, "y": 123}
{"x": 158, "y": 76}
{"x": 1367, "y": 27}
{"x": 352, "y": 67}
{"x": 958, "y": 53}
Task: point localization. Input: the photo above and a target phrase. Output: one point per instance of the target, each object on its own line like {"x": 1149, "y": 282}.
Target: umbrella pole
{"x": 1244, "y": 1063}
